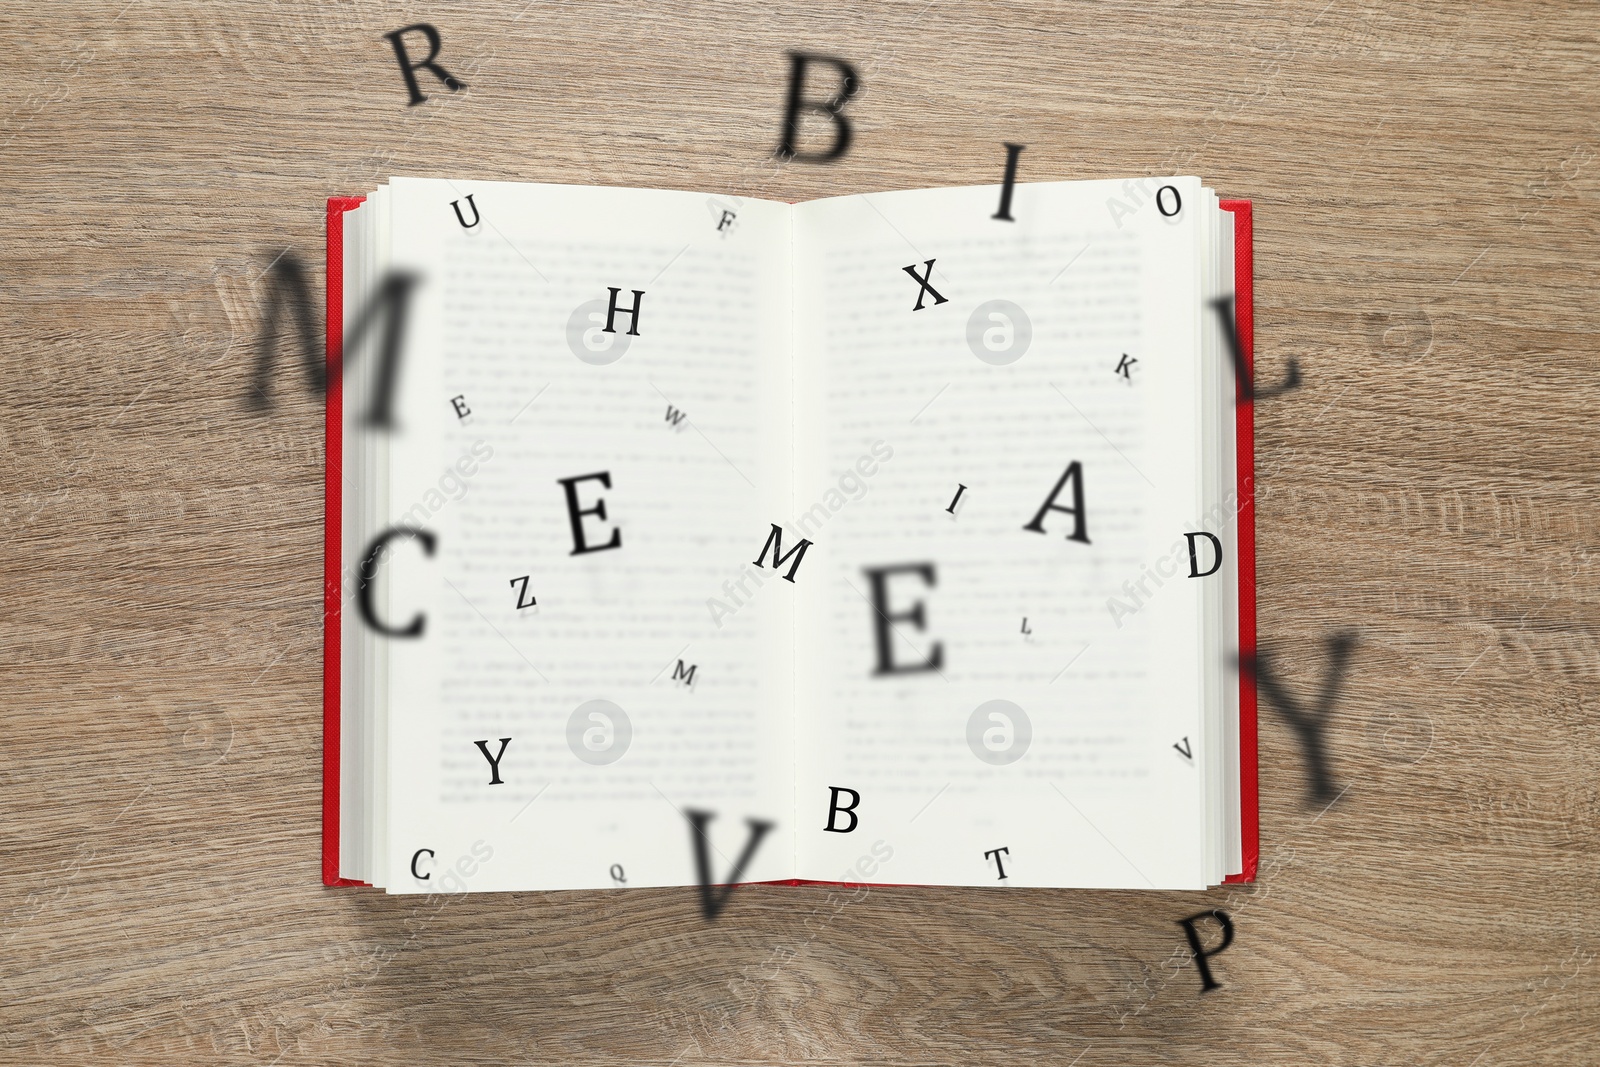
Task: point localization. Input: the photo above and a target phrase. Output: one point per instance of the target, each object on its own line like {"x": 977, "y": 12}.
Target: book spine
{"x": 1244, "y": 316}
{"x": 332, "y": 593}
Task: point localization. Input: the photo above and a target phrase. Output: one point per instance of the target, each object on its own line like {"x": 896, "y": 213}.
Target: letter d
{"x": 1194, "y": 562}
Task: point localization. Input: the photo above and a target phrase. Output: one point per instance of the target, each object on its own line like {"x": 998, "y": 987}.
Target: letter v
{"x": 713, "y": 903}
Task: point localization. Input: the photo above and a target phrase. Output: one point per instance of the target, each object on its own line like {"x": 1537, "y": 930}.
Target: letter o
{"x": 1177, "y": 201}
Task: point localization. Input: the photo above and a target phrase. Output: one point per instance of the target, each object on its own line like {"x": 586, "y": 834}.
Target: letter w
{"x": 674, "y": 416}
{"x": 775, "y": 542}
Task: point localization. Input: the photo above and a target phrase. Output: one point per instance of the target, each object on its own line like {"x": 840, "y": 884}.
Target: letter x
{"x": 922, "y": 280}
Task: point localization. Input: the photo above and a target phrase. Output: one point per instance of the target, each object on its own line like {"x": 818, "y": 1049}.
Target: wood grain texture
{"x": 1425, "y": 180}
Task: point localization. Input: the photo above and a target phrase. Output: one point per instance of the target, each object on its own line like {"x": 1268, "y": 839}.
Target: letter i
{"x": 1012, "y": 152}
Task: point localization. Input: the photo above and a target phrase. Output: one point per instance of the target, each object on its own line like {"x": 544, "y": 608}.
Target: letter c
{"x": 414, "y": 858}
{"x": 369, "y": 571}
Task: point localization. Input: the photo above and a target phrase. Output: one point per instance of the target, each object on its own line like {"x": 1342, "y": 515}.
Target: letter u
{"x": 475, "y": 217}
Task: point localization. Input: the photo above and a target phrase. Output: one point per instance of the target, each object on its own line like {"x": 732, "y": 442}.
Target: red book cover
{"x": 1244, "y": 311}
{"x": 1245, "y": 422}
{"x": 332, "y": 594}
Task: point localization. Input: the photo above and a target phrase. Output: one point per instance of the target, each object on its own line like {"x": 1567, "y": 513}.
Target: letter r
{"x": 409, "y": 69}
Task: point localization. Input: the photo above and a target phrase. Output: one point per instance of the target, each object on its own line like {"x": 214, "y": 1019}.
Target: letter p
{"x": 1201, "y": 955}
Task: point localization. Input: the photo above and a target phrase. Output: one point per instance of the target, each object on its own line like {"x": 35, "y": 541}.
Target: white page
{"x": 1099, "y": 797}
{"x": 363, "y": 499}
{"x": 1232, "y": 798}
{"x": 693, "y": 502}
{"x": 354, "y": 684}
{"x": 1212, "y": 414}
{"x": 375, "y": 448}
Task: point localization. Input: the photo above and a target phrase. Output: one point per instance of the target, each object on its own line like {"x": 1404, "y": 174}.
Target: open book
{"x": 871, "y": 539}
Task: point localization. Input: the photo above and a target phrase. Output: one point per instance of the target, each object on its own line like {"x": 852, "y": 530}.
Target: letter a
{"x": 713, "y": 903}
{"x": 830, "y": 107}
{"x": 1075, "y": 472}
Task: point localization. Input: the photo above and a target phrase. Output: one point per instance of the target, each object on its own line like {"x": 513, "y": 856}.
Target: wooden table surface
{"x": 1424, "y": 179}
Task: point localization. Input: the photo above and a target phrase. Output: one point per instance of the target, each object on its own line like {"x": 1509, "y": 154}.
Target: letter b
{"x": 848, "y": 810}
{"x": 830, "y": 107}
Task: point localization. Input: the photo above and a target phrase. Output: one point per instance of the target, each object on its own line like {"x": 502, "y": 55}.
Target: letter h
{"x": 612, "y": 309}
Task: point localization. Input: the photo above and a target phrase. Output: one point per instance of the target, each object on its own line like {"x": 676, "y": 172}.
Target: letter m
{"x": 290, "y": 295}
{"x": 687, "y": 676}
{"x": 775, "y": 542}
